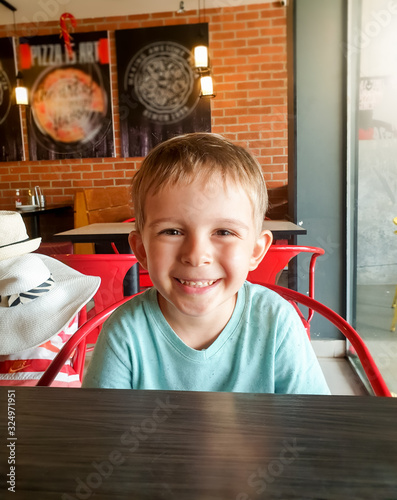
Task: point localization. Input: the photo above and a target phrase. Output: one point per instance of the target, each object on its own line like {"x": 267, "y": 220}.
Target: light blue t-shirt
{"x": 262, "y": 349}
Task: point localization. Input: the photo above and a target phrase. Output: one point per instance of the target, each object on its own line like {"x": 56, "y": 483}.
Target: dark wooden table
{"x": 121, "y": 444}
{"x": 35, "y": 214}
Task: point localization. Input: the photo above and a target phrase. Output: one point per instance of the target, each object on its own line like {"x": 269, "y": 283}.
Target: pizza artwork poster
{"x": 11, "y": 143}
{"x": 70, "y": 112}
{"x": 159, "y": 91}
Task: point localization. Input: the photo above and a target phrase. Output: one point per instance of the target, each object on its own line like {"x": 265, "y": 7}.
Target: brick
{"x": 232, "y": 77}
{"x": 247, "y": 136}
{"x": 234, "y": 26}
{"x": 9, "y": 178}
{"x": 228, "y": 120}
{"x": 260, "y": 24}
{"x": 234, "y": 43}
{"x": 278, "y": 22}
{"x": 251, "y": 119}
{"x": 280, "y": 159}
{"x": 113, "y": 174}
{"x": 92, "y": 175}
{"x": 83, "y": 184}
{"x": 248, "y": 85}
{"x": 246, "y": 16}
{"x": 63, "y": 184}
{"x": 223, "y": 35}
{"x": 248, "y": 33}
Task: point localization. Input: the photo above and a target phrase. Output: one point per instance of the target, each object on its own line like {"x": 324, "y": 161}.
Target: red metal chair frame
{"x": 371, "y": 370}
{"x": 111, "y": 268}
{"x": 77, "y": 342}
{"x": 274, "y": 262}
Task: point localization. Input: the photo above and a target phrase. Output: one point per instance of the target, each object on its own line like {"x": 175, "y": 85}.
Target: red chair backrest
{"x": 274, "y": 262}
{"x": 278, "y": 257}
{"x": 111, "y": 268}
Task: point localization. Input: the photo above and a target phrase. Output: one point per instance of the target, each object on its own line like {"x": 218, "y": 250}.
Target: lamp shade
{"x": 21, "y": 95}
{"x": 201, "y": 56}
{"x": 207, "y": 87}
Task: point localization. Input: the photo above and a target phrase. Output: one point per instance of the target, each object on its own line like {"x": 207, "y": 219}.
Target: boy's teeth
{"x": 197, "y": 283}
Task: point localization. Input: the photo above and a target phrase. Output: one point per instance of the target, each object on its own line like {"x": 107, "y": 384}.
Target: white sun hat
{"x": 38, "y": 297}
{"x": 14, "y": 239}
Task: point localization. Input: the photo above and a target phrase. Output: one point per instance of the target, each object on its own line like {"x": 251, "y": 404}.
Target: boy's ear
{"x": 261, "y": 247}
{"x": 136, "y": 244}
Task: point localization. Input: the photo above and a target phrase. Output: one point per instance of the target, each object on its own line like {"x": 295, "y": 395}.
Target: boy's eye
{"x": 223, "y": 232}
{"x": 170, "y": 232}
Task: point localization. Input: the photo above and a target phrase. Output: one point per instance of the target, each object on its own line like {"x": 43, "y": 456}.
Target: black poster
{"x": 159, "y": 91}
{"x": 70, "y": 109}
{"x": 11, "y": 144}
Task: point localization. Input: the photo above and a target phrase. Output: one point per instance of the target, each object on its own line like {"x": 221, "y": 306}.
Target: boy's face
{"x": 198, "y": 243}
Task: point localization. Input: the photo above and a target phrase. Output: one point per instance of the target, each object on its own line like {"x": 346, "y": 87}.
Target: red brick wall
{"x": 248, "y": 56}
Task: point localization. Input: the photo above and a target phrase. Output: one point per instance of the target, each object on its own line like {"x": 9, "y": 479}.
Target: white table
{"x": 119, "y": 231}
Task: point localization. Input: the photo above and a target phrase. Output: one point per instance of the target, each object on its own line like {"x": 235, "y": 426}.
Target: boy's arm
{"x": 297, "y": 370}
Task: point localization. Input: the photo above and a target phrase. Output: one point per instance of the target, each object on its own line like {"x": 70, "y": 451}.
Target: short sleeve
{"x": 297, "y": 370}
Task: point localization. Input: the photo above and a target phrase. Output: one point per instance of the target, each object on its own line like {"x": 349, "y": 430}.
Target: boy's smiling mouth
{"x": 197, "y": 283}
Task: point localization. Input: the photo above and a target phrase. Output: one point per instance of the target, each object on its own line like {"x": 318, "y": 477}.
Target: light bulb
{"x": 21, "y": 95}
{"x": 207, "y": 88}
{"x": 201, "y": 56}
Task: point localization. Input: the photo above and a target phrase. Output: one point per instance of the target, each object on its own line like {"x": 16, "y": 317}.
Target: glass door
{"x": 372, "y": 177}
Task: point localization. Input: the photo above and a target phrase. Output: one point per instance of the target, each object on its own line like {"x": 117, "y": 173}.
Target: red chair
{"x": 77, "y": 343}
{"x": 112, "y": 270}
{"x": 361, "y": 350}
{"x": 275, "y": 261}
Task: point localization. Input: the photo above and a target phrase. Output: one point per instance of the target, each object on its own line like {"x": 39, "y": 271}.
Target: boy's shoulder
{"x": 261, "y": 301}
{"x": 258, "y": 293}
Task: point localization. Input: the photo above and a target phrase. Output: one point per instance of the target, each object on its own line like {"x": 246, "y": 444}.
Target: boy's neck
{"x": 196, "y": 332}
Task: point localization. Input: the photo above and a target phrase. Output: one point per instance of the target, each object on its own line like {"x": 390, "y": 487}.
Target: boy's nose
{"x": 196, "y": 251}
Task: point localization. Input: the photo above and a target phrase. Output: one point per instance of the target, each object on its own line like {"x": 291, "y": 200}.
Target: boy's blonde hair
{"x": 188, "y": 157}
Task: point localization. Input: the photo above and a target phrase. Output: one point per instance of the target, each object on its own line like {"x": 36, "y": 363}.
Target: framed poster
{"x": 159, "y": 91}
{"x": 11, "y": 143}
{"x": 70, "y": 106}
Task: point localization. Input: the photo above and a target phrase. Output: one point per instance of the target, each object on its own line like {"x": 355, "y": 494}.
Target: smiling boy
{"x": 200, "y": 202}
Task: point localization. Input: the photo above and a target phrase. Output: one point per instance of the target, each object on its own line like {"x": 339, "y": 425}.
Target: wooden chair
{"x": 77, "y": 344}
{"x": 278, "y": 202}
{"x": 110, "y": 204}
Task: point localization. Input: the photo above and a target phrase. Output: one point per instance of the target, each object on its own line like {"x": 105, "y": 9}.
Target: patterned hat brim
{"x": 16, "y": 249}
{"x": 28, "y": 325}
